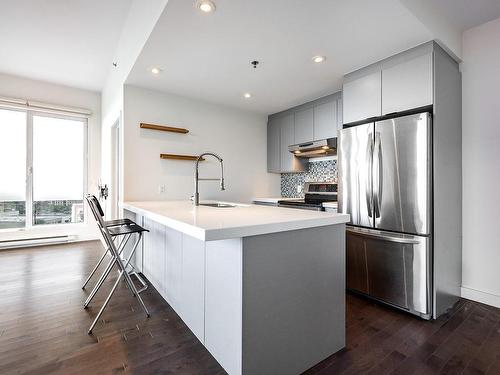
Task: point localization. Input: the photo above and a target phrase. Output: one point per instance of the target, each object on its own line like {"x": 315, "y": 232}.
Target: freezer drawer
{"x": 393, "y": 268}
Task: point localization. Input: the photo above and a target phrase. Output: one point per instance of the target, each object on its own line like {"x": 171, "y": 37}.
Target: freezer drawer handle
{"x": 384, "y": 237}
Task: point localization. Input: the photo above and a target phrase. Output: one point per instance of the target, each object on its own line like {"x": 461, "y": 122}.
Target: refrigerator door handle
{"x": 369, "y": 180}
{"x": 377, "y": 175}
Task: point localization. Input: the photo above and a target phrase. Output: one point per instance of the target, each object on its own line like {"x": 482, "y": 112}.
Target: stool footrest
{"x": 141, "y": 280}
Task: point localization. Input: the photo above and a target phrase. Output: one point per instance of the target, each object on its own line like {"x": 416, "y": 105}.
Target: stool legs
{"x": 123, "y": 273}
{"x": 98, "y": 264}
{"x": 106, "y": 272}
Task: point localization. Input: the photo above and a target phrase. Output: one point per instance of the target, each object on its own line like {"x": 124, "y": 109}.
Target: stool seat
{"x": 114, "y": 223}
{"x": 126, "y": 229}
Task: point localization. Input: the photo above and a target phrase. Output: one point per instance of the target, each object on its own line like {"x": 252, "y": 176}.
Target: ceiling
{"x": 61, "y": 41}
{"x": 466, "y": 14}
{"x": 207, "y": 56}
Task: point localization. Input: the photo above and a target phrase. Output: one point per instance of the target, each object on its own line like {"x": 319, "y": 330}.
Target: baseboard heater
{"x": 39, "y": 241}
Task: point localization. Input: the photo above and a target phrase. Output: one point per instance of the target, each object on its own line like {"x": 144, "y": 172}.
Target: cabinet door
{"x": 273, "y": 146}
{"x": 304, "y": 126}
{"x": 154, "y": 254}
{"x": 325, "y": 120}
{"x": 407, "y": 85}
{"x": 173, "y": 266}
{"x": 362, "y": 98}
{"x": 288, "y": 162}
{"x": 193, "y": 285}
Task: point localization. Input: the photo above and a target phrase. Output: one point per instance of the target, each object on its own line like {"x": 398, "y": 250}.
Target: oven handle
{"x": 284, "y": 205}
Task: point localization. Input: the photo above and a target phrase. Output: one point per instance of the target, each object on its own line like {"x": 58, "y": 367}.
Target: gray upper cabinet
{"x": 325, "y": 120}
{"x": 316, "y": 120}
{"x": 398, "y": 83}
{"x": 288, "y": 162}
{"x": 407, "y": 85}
{"x": 273, "y": 146}
{"x": 303, "y": 126}
{"x": 362, "y": 97}
{"x": 340, "y": 117}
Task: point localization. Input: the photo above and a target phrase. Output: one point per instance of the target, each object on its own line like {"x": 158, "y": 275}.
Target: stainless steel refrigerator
{"x": 385, "y": 184}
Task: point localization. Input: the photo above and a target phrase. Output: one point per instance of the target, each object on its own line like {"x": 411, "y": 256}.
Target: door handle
{"x": 377, "y": 194}
{"x": 384, "y": 237}
{"x": 369, "y": 187}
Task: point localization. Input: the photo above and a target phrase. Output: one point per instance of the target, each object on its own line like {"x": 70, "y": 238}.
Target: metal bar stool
{"x": 98, "y": 212}
{"x": 110, "y": 233}
{"x": 96, "y": 209}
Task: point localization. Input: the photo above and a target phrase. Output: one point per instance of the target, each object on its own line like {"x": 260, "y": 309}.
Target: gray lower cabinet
{"x": 273, "y": 146}
{"x": 304, "y": 124}
{"x": 325, "y": 120}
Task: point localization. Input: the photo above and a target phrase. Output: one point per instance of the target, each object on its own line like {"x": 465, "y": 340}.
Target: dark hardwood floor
{"x": 43, "y": 328}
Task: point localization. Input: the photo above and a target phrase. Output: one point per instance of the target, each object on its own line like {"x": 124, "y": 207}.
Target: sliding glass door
{"x": 42, "y": 168}
{"x": 58, "y": 169}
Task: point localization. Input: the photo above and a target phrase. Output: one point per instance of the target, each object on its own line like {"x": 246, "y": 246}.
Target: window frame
{"x": 29, "y": 221}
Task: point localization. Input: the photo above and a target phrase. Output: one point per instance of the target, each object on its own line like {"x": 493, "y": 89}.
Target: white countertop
{"x": 211, "y": 223}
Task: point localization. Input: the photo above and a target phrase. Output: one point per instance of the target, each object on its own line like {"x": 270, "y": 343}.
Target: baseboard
{"x": 479, "y": 296}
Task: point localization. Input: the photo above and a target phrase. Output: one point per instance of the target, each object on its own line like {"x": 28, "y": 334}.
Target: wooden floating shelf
{"x": 163, "y": 128}
{"x": 179, "y": 157}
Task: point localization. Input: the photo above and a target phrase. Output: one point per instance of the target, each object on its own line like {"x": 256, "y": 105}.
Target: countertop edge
{"x": 235, "y": 232}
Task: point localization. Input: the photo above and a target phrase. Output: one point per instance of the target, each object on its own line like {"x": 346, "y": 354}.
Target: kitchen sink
{"x": 218, "y": 205}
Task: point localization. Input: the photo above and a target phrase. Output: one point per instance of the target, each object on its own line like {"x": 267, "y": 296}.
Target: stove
{"x": 316, "y": 193}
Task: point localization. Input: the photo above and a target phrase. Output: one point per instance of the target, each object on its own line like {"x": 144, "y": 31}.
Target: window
{"x": 12, "y": 169}
{"x": 42, "y": 168}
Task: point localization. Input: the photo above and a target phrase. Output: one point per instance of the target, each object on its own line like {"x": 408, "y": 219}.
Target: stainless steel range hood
{"x": 324, "y": 147}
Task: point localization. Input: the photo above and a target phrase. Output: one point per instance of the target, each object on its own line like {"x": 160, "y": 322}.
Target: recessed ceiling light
{"x": 155, "y": 70}
{"x": 247, "y": 95}
{"x": 319, "y": 59}
{"x": 206, "y": 6}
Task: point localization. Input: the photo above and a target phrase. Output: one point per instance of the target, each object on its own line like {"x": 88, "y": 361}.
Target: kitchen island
{"x": 263, "y": 288}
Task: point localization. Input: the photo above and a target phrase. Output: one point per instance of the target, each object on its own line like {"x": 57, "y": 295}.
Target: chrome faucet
{"x": 196, "y": 197}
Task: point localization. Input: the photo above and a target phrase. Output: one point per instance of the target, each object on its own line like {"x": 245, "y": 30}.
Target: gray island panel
{"x": 293, "y": 299}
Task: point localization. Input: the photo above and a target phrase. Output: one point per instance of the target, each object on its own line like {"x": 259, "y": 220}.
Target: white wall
{"x": 447, "y": 34}
{"x": 17, "y": 87}
{"x": 238, "y": 136}
{"x": 141, "y": 19}
{"x": 481, "y": 163}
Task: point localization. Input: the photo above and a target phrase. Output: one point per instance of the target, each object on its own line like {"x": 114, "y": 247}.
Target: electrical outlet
{"x": 161, "y": 189}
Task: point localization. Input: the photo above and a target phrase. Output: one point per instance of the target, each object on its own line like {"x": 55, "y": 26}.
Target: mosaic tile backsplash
{"x": 318, "y": 171}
